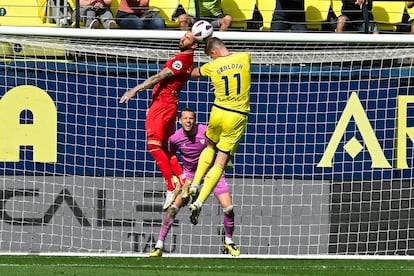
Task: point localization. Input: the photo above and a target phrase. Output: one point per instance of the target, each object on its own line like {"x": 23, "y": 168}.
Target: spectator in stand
{"x": 289, "y": 15}
{"x": 95, "y": 11}
{"x": 352, "y": 17}
{"x": 136, "y": 14}
{"x": 210, "y": 10}
{"x": 410, "y": 4}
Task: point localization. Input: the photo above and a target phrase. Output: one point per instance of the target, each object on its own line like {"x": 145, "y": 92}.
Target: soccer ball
{"x": 202, "y": 30}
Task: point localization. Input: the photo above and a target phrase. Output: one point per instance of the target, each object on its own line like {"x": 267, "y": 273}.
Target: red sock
{"x": 176, "y": 169}
{"x": 163, "y": 163}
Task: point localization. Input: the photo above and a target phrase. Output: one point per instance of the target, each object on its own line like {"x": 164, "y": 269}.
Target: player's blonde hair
{"x": 213, "y": 43}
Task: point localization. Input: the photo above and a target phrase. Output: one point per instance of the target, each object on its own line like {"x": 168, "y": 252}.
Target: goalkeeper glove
{"x": 185, "y": 195}
{"x": 194, "y": 191}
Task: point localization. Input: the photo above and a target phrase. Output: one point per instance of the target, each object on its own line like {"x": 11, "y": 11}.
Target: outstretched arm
{"x": 150, "y": 82}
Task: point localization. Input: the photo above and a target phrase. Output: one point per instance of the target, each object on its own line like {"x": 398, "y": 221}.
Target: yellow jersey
{"x": 230, "y": 76}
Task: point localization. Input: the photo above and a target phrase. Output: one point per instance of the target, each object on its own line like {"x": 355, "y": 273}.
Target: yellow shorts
{"x": 225, "y": 129}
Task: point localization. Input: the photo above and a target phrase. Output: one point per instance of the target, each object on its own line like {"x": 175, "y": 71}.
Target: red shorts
{"x": 160, "y": 122}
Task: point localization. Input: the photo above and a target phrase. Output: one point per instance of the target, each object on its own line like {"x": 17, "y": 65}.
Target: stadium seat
{"x": 72, "y": 3}
{"x": 185, "y": 4}
{"x": 27, "y": 13}
{"x": 167, "y": 8}
{"x": 42, "y": 9}
{"x": 316, "y": 11}
{"x": 266, "y": 8}
{"x": 409, "y": 12}
{"x": 114, "y": 7}
{"x": 240, "y": 10}
{"x": 24, "y": 13}
{"x": 336, "y": 6}
{"x": 388, "y": 14}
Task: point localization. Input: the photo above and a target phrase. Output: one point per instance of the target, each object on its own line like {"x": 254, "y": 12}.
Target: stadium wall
{"x": 286, "y": 135}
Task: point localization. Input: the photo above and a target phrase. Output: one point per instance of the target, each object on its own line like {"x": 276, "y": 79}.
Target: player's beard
{"x": 184, "y": 47}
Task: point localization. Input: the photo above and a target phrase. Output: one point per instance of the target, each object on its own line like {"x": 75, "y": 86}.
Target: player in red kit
{"x": 162, "y": 113}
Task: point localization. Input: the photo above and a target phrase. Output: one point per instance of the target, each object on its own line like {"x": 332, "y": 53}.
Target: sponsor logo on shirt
{"x": 177, "y": 65}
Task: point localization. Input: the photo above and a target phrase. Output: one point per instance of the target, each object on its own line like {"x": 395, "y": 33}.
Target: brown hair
{"x": 188, "y": 110}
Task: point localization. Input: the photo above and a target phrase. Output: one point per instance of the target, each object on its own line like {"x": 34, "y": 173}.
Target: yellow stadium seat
{"x": 72, "y": 4}
{"x": 41, "y": 8}
{"x": 23, "y": 13}
{"x": 387, "y": 14}
{"x": 336, "y": 6}
{"x": 266, "y": 8}
{"x": 185, "y": 4}
{"x": 114, "y": 7}
{"x": 410, "y": 14}
{"x": 167, "y": 8}
{"x": 240, "y": 10}
{"x": 409, "y": 10}
{"x": 316, "y": 11}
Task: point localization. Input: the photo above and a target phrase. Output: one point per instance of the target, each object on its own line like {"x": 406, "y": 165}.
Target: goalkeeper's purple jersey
{"x": 189, "y": 147}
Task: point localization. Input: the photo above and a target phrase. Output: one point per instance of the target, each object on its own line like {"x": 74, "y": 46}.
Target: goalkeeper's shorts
{"x": 221, "y": 188}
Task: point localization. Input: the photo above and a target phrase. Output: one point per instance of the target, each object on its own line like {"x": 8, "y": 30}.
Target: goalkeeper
{"x": 230, "y": 75}
{"x": 190, "y": 140}
{"x": 162, "y": 113}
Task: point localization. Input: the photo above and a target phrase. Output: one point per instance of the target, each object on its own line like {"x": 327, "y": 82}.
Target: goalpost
{"x": 325, "y": 167}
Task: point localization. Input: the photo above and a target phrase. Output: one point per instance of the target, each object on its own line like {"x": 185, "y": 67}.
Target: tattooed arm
{"x": 148, "y": 83}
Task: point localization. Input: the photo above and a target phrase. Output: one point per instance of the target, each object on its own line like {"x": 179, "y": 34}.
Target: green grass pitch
{"x": 42, "y": 265}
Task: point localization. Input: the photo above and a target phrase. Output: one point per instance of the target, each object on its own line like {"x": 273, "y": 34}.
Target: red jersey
{"x": 181, "y": 65}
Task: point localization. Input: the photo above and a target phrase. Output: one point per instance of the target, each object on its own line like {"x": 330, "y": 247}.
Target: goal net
{"x": 325, "y": 166}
